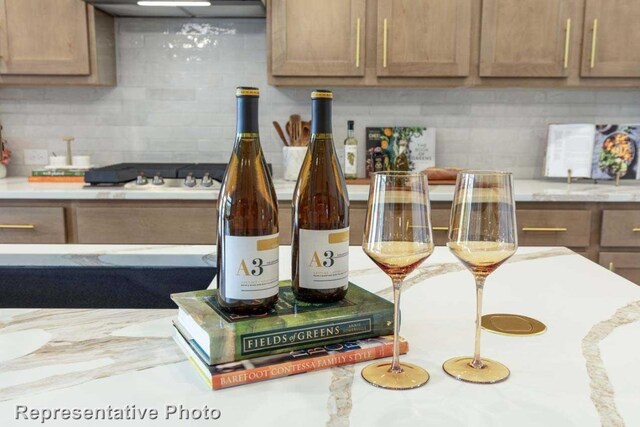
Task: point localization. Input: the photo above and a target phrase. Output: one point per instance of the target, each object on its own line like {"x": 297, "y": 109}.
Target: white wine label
{"x": 350, "y": 159}
{"x": 251, "y": 266}
{"x": 323, "y": 261}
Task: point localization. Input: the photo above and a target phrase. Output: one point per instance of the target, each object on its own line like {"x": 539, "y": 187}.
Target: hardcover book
{"x": 291, "y": 325}
{"x": 400, "y": 148}
{"x": 263, "y": 368}
{"x": 600, "y": 152}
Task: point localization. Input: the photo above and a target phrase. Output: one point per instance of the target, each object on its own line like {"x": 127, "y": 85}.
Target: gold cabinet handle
{"x": 612, "y": 267}
{"x": 435, "y": 228}
{"x": 636, "y": 230}
{"x": 384, "y": 44}
{"x": 358, "y": 43}
{"x": 17, "y": 226}
{"x": 567, "y": 39}
{"x": 545, "y": 229}
{"x": 594, "y": 41}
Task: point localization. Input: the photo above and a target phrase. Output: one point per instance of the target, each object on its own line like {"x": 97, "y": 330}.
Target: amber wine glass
{"x": 482, "y": 235}
{"x": 397, "y": 237}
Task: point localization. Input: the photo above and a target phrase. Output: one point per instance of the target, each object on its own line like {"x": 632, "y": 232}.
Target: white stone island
{"x": 582, "y": 372}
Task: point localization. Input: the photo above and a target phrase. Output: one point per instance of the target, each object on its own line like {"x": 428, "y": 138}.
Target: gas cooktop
{"x": 156, "y": 173}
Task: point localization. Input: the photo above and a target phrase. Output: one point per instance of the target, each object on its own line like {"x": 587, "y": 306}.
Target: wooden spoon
{"x": 296, "y": 128}
{"x": 280, "y": 133}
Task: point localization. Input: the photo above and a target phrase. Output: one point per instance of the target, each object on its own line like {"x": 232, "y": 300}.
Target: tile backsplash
{"x": 175, "y": 103}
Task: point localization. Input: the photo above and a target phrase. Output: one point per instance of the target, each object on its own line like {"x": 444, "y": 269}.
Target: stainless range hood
{"x": 216, "y": 9}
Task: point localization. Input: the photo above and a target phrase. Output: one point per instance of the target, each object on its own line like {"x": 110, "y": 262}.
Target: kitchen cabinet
{"x": 449, "y": 43}
{"x": 55, "y": 42}
{"x": 425, "y": 38}
{"x": 26, "y": 224}
{"x": 626, "y": 264}
{"x": 620, "y": 228}
{"x": 525, "y": 38}
{"x": 317, "y": 38}
{"x": 611, "y": 37}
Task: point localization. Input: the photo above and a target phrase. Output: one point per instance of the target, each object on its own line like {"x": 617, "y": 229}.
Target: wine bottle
{"x": 247, "y": 220}
{"x": 320, "y": 237}
{"x": 350, "y": 153}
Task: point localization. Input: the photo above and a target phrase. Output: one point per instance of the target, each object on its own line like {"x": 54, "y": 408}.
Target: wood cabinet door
{"x": 626, "y": 264}
{"x": 317, "y": 38}
{"x": 44, "y": 37}
{"x": 525, "y": 38}
{"x": 611, "y": 39}
{"x": 426, "y": 38}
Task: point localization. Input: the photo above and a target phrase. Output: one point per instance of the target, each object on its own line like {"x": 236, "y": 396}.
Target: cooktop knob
{"x": 157, "y": 179}
{"x": 141, "y": 179}
{"x": 190, "y": 181}
{"x": 207, "y": 181}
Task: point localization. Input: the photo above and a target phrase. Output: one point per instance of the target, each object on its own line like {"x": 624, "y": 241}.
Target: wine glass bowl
{"x": 397, "y": 238}
{"x": 482, "y": 235}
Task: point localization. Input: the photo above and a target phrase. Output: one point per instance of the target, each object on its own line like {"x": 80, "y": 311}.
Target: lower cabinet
{"x": 153, "y": 225}
{"x": 32, "y": 225}
{"x": 626, "y": 264}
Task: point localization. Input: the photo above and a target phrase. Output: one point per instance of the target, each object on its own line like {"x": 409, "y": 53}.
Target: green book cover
{"x": 58, "y": 172}
{"x": 291, "y": 325}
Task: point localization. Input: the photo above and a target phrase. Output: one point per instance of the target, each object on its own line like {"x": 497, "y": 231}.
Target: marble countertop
{"x": 525, "y": 191}
{"x": 581, "y": 372}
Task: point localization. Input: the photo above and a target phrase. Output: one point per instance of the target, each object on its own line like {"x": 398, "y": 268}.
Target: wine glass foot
{"x": 492, "y": 372}
{"x": 412, "y": 376}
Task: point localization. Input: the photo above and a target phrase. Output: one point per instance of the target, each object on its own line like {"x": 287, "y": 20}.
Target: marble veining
{"x": 339, "y": 404}
{"x": 78, "y": 336}
{"x": 602, "y": 393}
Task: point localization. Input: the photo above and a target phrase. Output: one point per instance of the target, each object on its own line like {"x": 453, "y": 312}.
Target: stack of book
{"x": 57, "y": 175}
{"x": 295, "y": 337}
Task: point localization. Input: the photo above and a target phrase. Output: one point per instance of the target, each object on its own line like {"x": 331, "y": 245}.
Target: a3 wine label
{"x": 252, "y": 267}
{"x": 324, "y": 258}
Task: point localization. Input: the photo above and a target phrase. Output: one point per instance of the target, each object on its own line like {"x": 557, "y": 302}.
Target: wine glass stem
{"x": 477, "y": 362}
{"x": 395, "y": 362}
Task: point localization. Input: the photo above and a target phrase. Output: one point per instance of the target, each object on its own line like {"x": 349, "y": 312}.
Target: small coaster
{"x": 512, "y": 324}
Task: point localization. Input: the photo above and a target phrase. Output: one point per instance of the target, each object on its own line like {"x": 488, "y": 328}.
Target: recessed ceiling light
{"x": 174, "y": 3}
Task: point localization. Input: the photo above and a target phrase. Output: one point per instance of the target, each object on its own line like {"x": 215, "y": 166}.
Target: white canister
{"x": 81, "y": 162}
{"x": 292, "y": 158}
{"x": 57, "y": 161}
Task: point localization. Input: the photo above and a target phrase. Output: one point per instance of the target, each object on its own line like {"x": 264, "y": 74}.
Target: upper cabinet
{"x": 444, "y": 43}
{"x": 423, "y": 38}
{"x": 55, "y": 42}
{"x": 525, "y": 38}
{"x": 44, "y": 37}
{"x": 317, "y": 38}
{"x": 611, "y": 39}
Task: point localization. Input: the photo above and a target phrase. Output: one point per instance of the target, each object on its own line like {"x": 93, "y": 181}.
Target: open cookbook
{"x": 593, "y": 151}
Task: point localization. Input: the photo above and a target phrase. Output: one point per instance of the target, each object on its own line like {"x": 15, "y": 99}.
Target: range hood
{"x": 174, "y": 9}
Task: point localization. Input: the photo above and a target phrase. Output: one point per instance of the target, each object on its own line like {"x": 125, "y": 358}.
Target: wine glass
{"x": 482, "y": 235}
{"x": 397, "y": 237}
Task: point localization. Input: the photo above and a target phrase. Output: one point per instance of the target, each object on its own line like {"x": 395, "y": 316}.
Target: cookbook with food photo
{"x": 616, "y": 152}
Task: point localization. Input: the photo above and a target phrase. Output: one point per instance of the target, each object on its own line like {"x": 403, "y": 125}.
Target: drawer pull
{"x": 440, "y": 228}
{"x": 17, "y": 227}
{"x": 636, "y": 230}
{"x": 545, "y": 229}
{"x": 612, "y": 267}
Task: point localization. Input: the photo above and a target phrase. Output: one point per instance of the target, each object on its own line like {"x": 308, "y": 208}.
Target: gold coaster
{"x": 512, "y": 324}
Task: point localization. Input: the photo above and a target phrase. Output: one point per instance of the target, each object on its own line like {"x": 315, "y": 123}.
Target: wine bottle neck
{"x": 321, "y": 116}
{"x": 247, "y": 116}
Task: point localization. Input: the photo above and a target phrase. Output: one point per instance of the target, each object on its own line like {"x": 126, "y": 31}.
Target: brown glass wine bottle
{"x": 247, "y": 220}
{"x": 320, "y": 237}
